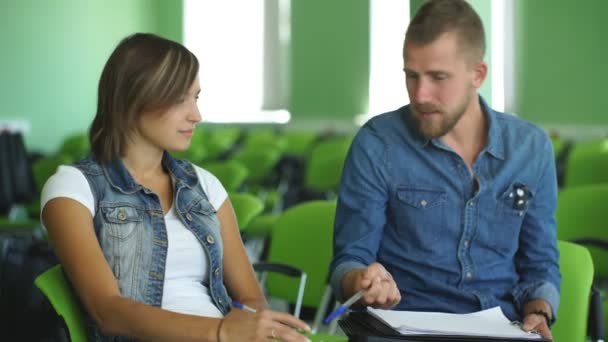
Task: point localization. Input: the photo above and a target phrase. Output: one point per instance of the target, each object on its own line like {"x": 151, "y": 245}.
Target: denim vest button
{"x": 221, "y": 301}
{"x": 210, "y": 239}
{"x": 216, "y": 272}
{"x": 189, "y": 217}
{"x": 122, "y": 215}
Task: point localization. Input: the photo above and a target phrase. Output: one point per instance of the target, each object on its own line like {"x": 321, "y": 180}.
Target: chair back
{"x": 324, "y": 169}
{"x": 581, "y": 214}
{"x": 587, "y": 163}
{"x": 302, "y": 237}
{"x": 57, "y": 290}
{"x": 231, "y": 173}
{"x": 246, "y": 207}
{"x": 577, "y": 276}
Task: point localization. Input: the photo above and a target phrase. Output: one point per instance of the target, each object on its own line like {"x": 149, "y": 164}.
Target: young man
{"x": 445, "y": 204}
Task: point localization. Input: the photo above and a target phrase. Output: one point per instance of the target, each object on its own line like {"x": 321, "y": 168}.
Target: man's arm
{"x": 360, "y": 214}
{"x": 537, "y": 259}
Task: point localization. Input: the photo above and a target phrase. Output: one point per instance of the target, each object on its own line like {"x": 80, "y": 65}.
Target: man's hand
{"x": 382, "y": 291}
{"x": 537, "y": 321}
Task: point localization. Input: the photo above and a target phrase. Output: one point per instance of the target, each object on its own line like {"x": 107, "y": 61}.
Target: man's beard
{"x": 429, "y": 129}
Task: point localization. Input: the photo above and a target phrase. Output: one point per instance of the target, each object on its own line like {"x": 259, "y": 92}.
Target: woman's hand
{"x": 240, "y": 325}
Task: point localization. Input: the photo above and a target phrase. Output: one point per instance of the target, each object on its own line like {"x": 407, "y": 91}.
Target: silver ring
{"x": 274, "y": 337}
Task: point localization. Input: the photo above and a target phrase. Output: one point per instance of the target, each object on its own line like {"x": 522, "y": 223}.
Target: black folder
{"x": 362, "y": 327}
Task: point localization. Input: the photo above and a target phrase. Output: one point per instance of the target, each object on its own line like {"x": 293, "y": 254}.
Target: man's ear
{"x": 480, "y": 72}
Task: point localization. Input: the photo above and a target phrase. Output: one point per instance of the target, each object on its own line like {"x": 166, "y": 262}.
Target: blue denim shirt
{"x": 130, "y": 226}
{"x": 410, "y": 204}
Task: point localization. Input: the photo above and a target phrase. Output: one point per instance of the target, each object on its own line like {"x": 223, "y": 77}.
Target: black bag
{"x": 25, "y": 313}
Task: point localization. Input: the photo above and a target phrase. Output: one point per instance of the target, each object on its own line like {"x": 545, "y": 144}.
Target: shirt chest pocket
{"x": 420, "y": 213}
{"x": 121, "y": 222}
{"x": 510, "y": 211}
{"x": 204, "y": 214}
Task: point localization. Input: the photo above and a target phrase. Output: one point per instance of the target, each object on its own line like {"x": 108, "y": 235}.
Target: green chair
{"x": 246, "y": 207}
{"x": 57, "y": 290}
{"x": 324, "y": 167}
{"x": 582, "y": 217}
{"x": 219, "y": 140}
{"x": 299, "y": 143}
{"x": 577, "y": 276}
{"x": 295, "y": 231}
{"x": 231, "y": 173}
{"x": 587, "y": 163}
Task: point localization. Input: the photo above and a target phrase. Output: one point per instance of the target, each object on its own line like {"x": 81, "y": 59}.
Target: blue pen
{"x": 342, "y": 308}
{"x": 242, "y": 306}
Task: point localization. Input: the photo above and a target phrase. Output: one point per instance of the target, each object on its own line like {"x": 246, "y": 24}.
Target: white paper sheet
{"x": 491, "y": 322}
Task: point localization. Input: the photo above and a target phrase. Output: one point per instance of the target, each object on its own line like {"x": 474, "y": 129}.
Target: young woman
{"x": 150, "y": 243}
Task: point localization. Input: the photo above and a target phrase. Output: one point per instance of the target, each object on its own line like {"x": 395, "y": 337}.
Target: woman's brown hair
{"x": 145, "y": 72}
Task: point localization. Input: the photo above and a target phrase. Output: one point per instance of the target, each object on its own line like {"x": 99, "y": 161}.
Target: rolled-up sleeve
{"x": 537, "y": 259}
{"x": 361, "y": 209}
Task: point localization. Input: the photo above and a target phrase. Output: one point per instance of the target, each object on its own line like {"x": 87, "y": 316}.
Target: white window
{"x": 233, "y": 40}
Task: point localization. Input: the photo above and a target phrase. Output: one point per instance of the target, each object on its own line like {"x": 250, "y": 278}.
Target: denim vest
{"x": 130, "y": 226}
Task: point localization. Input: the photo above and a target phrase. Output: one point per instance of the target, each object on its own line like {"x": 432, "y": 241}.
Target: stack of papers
{"x": 488, "y": 323}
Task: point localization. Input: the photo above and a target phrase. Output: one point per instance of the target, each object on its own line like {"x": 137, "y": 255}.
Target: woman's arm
{"x": 238, "y": 272}
{"x": 70, "y": 228}
{"x": 240, "y": 280}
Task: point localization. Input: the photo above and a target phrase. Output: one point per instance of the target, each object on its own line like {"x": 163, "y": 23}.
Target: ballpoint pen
{"x": 342, "y": 308}
{"x": 242, "y": 306}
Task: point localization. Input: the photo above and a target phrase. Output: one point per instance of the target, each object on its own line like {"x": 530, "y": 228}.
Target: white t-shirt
{"x": 187, "y": 263}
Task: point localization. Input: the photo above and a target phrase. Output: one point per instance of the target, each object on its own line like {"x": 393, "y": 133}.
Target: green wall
{"x": 329, "y": 59}
{"x": 53, "y": 53}
{"x": 561, "y": 57}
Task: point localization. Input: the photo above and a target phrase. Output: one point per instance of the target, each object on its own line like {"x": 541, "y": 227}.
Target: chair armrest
{"x": 290, "y": 271}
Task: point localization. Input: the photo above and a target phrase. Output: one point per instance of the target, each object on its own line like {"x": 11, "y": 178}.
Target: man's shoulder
{"x": 516, "y": 127}
{"x": 386, "y": 125}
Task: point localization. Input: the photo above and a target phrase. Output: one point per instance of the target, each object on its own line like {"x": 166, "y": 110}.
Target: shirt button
{"x": 210, "y": 239}
{"x": 423, "y": 203}
{"x": 469, "y": 275}
{"x": 188, "y": 217}
{"x": 466, "y": 243}
{"x": 217, "y": 272}
{"x": 471, "y": 204}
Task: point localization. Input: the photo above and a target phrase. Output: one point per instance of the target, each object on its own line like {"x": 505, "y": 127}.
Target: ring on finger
{"x": 274, "y": 336}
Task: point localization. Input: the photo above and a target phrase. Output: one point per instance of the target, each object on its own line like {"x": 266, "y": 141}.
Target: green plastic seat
{"x": 232, "y": 173}
{"x": 587, "y": 163}
{"x": 259, "y": 161}
{"x": 246, "y": 207}
{"x": 324, "y": 168}
{"x": 294, "y": 232}
{"x": 56, "y": 288}
{"x": 196, "y": 153}
{"x": 577, "y": 276}
{"x": 582, "y": 214}
{"x": 299, "y": 143}
{"x": 219, "y": 140}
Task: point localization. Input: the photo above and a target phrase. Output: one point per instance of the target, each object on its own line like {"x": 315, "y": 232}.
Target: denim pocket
{"x": 509, "y": 213}
{"x": 121, "y": 221}
{"x": 420, "y": 214}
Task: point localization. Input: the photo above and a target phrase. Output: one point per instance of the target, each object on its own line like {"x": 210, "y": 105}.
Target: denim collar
{"x": 494, "y": 145}
{"x": 119, "y": 177}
